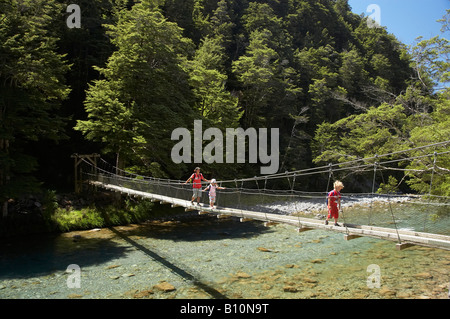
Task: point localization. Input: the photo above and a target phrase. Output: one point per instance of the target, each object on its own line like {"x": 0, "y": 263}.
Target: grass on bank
{"x": 100, "y": 212}
{"x": 93, "y": 217}
{"x": 122, "y": 212}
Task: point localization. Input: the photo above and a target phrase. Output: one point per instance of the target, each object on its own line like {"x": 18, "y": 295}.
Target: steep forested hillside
{"x": 136, "y": 70}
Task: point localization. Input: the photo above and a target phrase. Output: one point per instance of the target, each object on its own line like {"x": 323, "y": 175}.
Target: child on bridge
{"x": 212, "y": 192}
{"x": 334, "y": 202}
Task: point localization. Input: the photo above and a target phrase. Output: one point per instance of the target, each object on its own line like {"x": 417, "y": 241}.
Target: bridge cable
{"x": 390, "y": 209}
{"x": 330, "y": 173}
{"x": 431, "y": 185}
{"x": 265, "y": 191}
{"x": 373, "y": 190}
{"x": 280, "y": 175}
{"x": 295, "y": 203}
{"x": 239, "y": 197}
{"x": 259, "y": 192}
{"x": 217, "y": 195}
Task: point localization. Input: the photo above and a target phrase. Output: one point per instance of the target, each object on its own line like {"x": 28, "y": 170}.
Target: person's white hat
{"x": 213, "y": 180}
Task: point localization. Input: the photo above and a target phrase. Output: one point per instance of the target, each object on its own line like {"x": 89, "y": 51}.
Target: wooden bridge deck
{"x": 404, "y": 238}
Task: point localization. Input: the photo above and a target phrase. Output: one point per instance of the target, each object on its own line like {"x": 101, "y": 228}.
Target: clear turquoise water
{"x": 204, "y": 257}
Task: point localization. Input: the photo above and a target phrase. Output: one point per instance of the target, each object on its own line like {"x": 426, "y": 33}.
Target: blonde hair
{"x": 338, "y": 184}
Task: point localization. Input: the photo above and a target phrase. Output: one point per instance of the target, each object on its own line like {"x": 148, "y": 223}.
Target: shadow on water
{"x": 48, "y": 254}
{"x": 199, "y": 228}
{"x": 185, "y": 274}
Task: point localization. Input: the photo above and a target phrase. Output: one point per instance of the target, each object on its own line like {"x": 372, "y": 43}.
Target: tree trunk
{"x": 5, "y": 209}
{"x": 4, "y": 174}
{"x": 119, "y": 168}
{"x": 119, "y": 164}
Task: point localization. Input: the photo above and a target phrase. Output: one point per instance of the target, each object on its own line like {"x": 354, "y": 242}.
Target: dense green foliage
{"x": 336, "y": 88}
{"x": 32, "y": 86}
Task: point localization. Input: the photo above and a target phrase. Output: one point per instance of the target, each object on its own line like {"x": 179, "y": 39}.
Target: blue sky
{"x": 407, "y": 19}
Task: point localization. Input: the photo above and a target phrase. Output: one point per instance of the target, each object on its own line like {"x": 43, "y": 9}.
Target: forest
{"x": 337, "y": 88}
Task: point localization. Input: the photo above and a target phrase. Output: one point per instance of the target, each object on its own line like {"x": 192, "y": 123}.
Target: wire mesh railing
{"x": 409, "y": 212}
{"x": 425, "y": 213}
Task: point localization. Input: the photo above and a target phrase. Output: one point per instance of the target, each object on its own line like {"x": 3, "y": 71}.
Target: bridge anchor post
{"x": 270, "y": 223}
{"x": 92, "y": 158}
{"x": 350, "y": 237}
{"x": 401, "y": 246}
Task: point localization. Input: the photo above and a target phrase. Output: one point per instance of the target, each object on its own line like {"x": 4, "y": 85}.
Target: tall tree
{"x": 145, "y": 92}
{"x": 222, "y": 24}
{"x": 31, "y": 89}
{"x": 208, "y": 81}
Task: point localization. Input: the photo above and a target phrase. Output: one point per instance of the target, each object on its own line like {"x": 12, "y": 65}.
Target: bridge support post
{"x": 350, "y": 237}
{"x": 401, "y": 246}
{"x": 270, "y": 223}
{"x": 92, "y": 158}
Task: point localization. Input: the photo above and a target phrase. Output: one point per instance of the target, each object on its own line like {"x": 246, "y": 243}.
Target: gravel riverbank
{"x": 318, "y": 205}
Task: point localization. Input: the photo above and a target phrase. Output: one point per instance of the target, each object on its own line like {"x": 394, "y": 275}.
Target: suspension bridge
{"x": 407, "y": 220}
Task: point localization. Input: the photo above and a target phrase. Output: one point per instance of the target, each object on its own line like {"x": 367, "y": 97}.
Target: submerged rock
{"x": 290, "y": 289}
{"x": 241, "y": 274}
{"x": 387, "y": 292}
{"x": 267, "y": 250}
{"x": 112, "y": 266}
{"x": 164, "y": 286}
{"x": 142, "y": 294}
{"x": 423, "y": 275}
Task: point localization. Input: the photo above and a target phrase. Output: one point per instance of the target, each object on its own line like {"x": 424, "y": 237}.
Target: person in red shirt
{"x": 334, "y": 202}
{"x": 197, "y": 179}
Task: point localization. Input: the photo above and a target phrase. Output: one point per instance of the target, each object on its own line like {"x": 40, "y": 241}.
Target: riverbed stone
{"x": 309, "y": 280}
{"x": 403, "y": 295}
{"x": 242, "y": 275}
{"x": 423, "y": 275}
{"x": 290, "y": 289}
{"x": 164, "y": 286}
{"x": 263, "y": 249}
{"x": 387, "y": 292}
{"x": 143, "y": 294}
{"x": 112, "y": 266}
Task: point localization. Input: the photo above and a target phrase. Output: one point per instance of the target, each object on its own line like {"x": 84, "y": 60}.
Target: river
{"x": 192, "y": 256}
